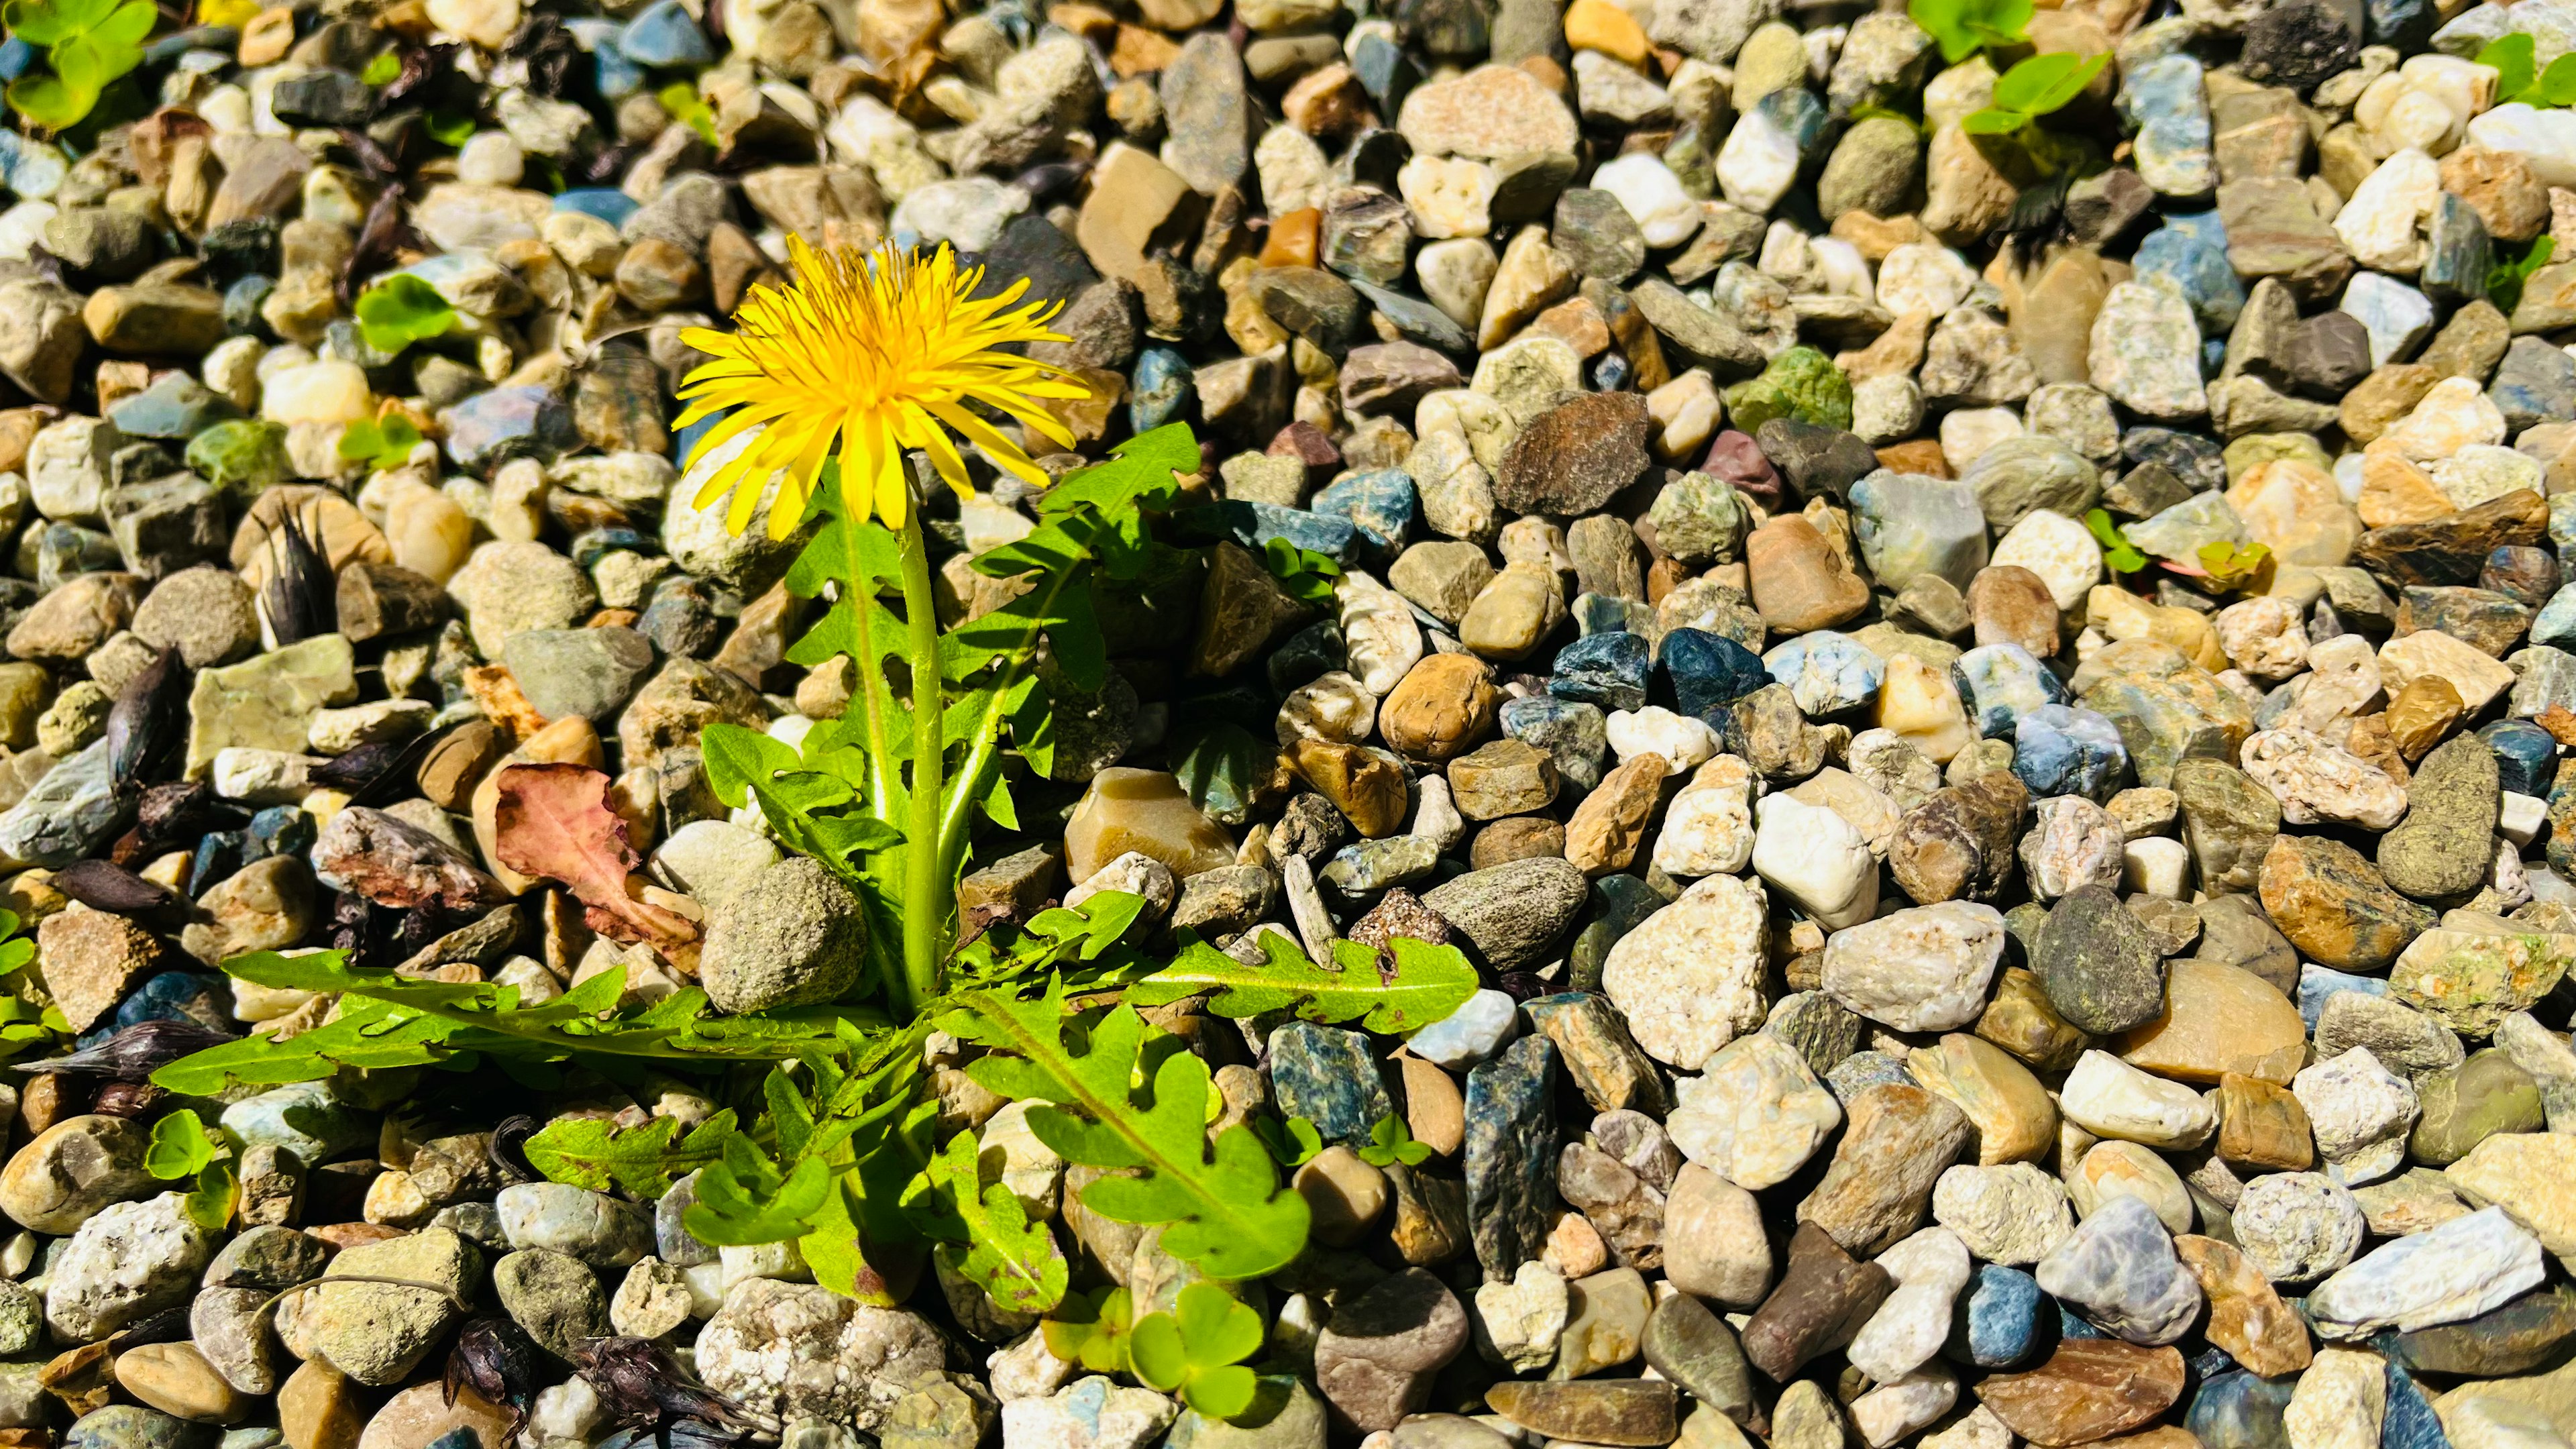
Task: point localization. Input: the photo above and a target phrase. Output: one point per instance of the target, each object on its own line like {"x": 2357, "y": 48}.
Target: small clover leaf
{"x": 1294, "y": 1142}
{"x": 400, "y": 310}
{"x": 2117, "y": 551}
{"x": 179, "y": 1147}
{"x": 1091, "y": 1329}
{"x": 2514, "y": 58}
{"x": 1305, "y": 574}
{"x": 380, "y": 443}
{"x": 1390, "y": 1143}
{"x": 1962, "y": 27}
{"x": 449, "y": 130}
{"x": 1197, "y": 1351}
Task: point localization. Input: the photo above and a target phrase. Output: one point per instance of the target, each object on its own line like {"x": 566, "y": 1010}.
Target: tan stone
{"x": 1142, "y": 810}
{"x": 1608, "y": 826}
{"x": 2422, "y": 716}
{"x": 1799, "y": 581}
{"x": 177, "y": 1380}
{"x": 2246, "y": 1317}
{"x": 2021, "y": 1021}
{"x": 2219, "y": 1019}
{"x": 2395, "y": 491}
{"x": 318, "y": 1408}
{"x": 2013, "y": 1116}
{"x": 2263, "y": 1127}
{"x": 1361, "y": 783}
{"x": 1440, "y": 709}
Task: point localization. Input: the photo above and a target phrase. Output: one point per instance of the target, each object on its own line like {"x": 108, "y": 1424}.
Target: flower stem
{"x": 926, "y": 891}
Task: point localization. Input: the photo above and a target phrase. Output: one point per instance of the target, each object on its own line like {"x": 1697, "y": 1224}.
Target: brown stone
{"x": 89, "y": 958}
{"x": 2388, "y": 394}
{"x": 1921, "y": 456}
{"x": 1362, "y": 784}
{"x": 2500, "y": 187}
{"x": 2371, "y": 742}
{"x": 2333, "y": 905}
{"x": 2090, "y": 1388}
{"x": 1146, "y": 811}
{"x": 1823, "y": 1299}
{"x": 1502, "y": 777}
{"x": 1241, "y": 609}
{"x": 1521, "y": 837}
{"x": 1639, "y": 1413}
{"x": 2246, "y": 1317}
{"x": 177, "y": 1380}
{"x": 1799, "y": 581}
{"x": 2262, "y": 1127}
{"x": 458, "y": 762}
{"x": 2011, "y": 605}
{"x": 1959, "y": 842}
{"x": 2453, "y": 549}
{"x": 1606, "y": 829}
{"x": 1895, "y": 1143}
{"x": 2022, "y": 1021}
{"x": 1440, "y": 708}
{"x": 1575, "y": 457}
{"x": 2395, "y": 491}
{"x": 2219, "y": 1021}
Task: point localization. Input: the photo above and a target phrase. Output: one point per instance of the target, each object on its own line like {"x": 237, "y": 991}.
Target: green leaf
{"x": 1082, "y": 932}
{"x": 127, "y": 27}
{"x": 179, "y": 1147}
{"x": 210, "y": 1203}
{"x": 590, "y": 1152}
{"x": 1195, "y": 1350}
{"x": 400, "y": 310}
{"x": 1294, "y": 1142}
{"x": 1091, "y": 1329}
{"x": 1016, "y": 1262}
{"x": 52, "y": 22}
{"x": 2045, "y": 83}
{"x": 1391, "y": 1142}
{"x": 1993, "y": 122}
{"x": 681, "y": 99}
{"x": 743, "y": 1199}
{"x": 2117, "y": 551}
{"x": 1961, "y": 27}
{"x": 450, "y": 131}
{"x": 50, "y": 103}
{"x": 2557, "y": 84}
{"x": 738, "y": 758}
{"x": 1427, "y": 983}
{"x": 1305, "y": 574}
{"x": 1223, "y": 1211}
{"x": 2505, "y": 278}
{"x": 2514, "y": 57}
{"x": 384, "y": 70}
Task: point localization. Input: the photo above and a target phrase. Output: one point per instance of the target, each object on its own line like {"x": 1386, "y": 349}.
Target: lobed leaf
{"x": 994, "y": 1245}
{"x": 591, "y": 1153}
{"x": 743, "y": 1199}
{"x": 1423, "y": 984}
{"x": 1222, "y": 1210}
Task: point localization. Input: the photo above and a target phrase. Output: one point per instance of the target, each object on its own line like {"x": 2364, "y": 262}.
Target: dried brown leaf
{"x": 554, "y": 821}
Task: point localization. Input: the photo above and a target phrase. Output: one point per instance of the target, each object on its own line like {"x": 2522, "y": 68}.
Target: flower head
{"x": 877, "y": 352}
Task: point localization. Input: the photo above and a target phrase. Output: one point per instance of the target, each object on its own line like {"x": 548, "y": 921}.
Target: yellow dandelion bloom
{"x": 878, "y": 352}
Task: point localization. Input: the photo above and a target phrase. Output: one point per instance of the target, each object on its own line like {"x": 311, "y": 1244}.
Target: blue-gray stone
{"x": 1605, "y": 669}
{"x": 1826, "y": 672}
{"x": 2548, "y": 677}
{"x": 1999, "y": 1319}
{"x": 666, "y": 35}
{"x": 1329, "y": 1077}
{"x": 1999, "y": 683}
{"x": 242, "y": 301}
{"x": 1161, "y": 389}
{"x": 1798, "y": 113}
{"x": 1254, "y": 524}
{"x": 2534, "y": 384}
{"x": 1909, "y": 525}
{"x": 303, "y": 1118}
{"x": 2408, "y": 1421}
{"x": 605, "y": 202}
{"x": 1416, "y": 319}
{"x": 2188, "y": 456}
{"x": 177, "y": 407}
{"x": 2119, "y": 1271}
{"x": 67, "y": 550}
{"x": 177, "y": 996}
{"x": 1384, "y": 71}
{"x": 131, "y": 1426}
{"x": 1611, "y": 614}
{"x": 2526, "y": 755}
{"x": 2455, "y": 269}
{"x": 1362, "y": 871}
{"x": 2316, "y": 983}
{"x": 2069, "y": 1325}
{"x": 2555, "y": 624}
{"x": 1510, "y": 1155}
{"x": 2163, "y": 98}
{"x": 2180, "y": 532}
{"x": 2191, "y": 251}
{"x": 2399, "y": 23}
{"x": 1861, "y": 1071}
{"x": 1575, "y": 734}
{"x": 1380, "y": 505}
{"x": 73, "y": 811}
{"x": 490, "y": 428}
{"x": 2068, "y": 750}
{"x": 1707, "y": 671}
{"x": 2241, "y": 1411}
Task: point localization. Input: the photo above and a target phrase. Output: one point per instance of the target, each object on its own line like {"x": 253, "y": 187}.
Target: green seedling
{"x": 2034, "y": 88}
{"x": 400, "y": 310}
{"x": 2519, "y": 76}
{"x": 1197, "y": 1351}
{"x": 88, "y": 43}
{"x": 2505, "y": 279}
{"x": 1390, "y": 1142}
{"x": 1963, "y": 27}
{"x": 1091, "y": 1329}
{"x": 1294, "y": 1142}
{"x": 180, "y": 1148}
{"x": 380, "y": 442}
{"x": 1306, "y": 575}
{"x": 2122, "y": 555}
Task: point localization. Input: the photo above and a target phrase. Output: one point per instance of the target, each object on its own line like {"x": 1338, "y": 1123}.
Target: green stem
{"x": 926, "y": 895}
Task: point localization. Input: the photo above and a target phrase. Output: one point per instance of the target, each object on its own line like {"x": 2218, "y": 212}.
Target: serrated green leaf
{"x": 591, "y": 1153}
{"x": 128, "y": 26}
{"x": 1223, "y": 1210}
{"x": 2048, "y": 82}
{"x": 179, "y": 1147}
{"x": 743, "y": 1199}
{"x": 993, "y": 1244}
{"x": 1427, "y": 983}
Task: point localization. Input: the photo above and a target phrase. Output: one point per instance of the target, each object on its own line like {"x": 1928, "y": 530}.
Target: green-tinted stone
{"x": 2445, "y": 846}
{"x": 243, "y": 457}
{"x": 2519, "y": 1337}
{"x": 2170, "y": 710}
{"x": 1618, "y": 903}
{"x": 2103, "y": 969}
{"x": 1800, "y": 383}
{"x": 2228, "y": 821}
{"x": 2466, "y": 1104}
{"x": 2473, "y": 978}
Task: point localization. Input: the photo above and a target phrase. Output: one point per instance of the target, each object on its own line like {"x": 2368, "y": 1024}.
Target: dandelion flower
{"x": 877, "y": 352}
